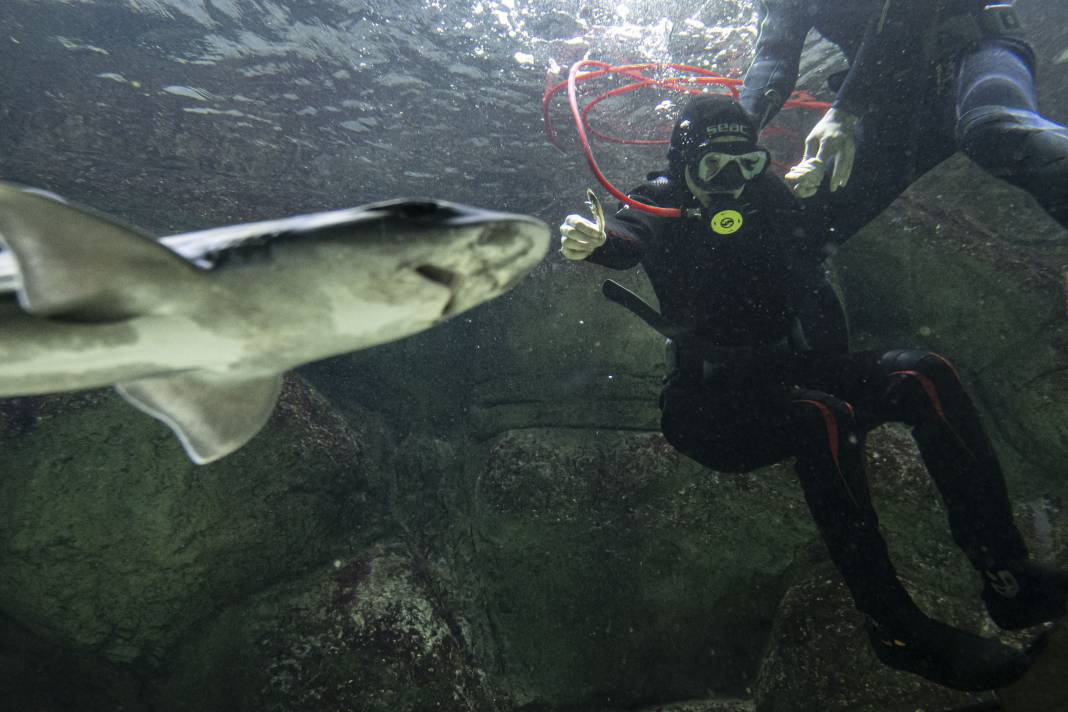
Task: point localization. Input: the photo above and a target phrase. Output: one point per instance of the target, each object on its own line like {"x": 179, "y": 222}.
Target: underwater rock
{"x": 369, "y": 633}
{"x": 560, "y": 355}
{"x": 972, "y": 268}
{"x": 613, "y": 571}
{"x": 43, "y": 677}
{"x": 709, "y": 705}
{"x": 112, "y": 542}
{"x": 819, "y": 658}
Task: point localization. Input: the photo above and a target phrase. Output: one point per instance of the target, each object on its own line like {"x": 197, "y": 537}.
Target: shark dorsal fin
{"x": 212, "y": 414}
{"x": 76, "y": 264}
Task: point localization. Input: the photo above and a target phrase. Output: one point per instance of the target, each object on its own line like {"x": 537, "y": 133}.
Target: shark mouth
{"x": 446, "y": 278}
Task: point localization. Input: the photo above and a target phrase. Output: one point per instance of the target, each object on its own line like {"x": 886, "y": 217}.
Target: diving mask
{"x": 712, "y": 164}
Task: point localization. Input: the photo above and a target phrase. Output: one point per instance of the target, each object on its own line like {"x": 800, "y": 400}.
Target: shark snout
{"x": 487, "y": 261}
{"x": 508, "y": 249}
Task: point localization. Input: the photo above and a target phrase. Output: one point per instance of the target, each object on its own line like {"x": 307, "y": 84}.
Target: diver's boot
{"x": 946, "y": 655}
{"x": 1017, "y": 591}
{"x": 1023, "y": 593}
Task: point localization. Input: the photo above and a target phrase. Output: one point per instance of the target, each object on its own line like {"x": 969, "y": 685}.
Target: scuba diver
{"x": 925, "y": 78}
{"x": 759, "y": 371}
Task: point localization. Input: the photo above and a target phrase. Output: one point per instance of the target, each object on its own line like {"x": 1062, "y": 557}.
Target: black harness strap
{"x": 622, "y": 296}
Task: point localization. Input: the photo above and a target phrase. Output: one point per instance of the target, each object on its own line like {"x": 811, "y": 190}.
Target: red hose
{"x": 572, "y": 98}
{"x": 691, "y": 85}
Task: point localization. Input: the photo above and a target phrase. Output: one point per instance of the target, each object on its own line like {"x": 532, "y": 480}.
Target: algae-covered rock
{"x": 972, "y": 268}
{"x": 819, "y": 658}
{"x": 368, "y": 633}
{"x": 112, "y": 541}
{"x": 613, "y": 570}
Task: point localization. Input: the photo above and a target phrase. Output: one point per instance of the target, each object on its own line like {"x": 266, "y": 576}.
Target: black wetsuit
{"x": 927, "y": 78}
{"x": 753, "y": 286}
{"x": 763, "y": 374}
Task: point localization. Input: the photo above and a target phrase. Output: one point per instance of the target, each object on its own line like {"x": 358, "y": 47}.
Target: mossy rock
{"x": 112, "y": 541}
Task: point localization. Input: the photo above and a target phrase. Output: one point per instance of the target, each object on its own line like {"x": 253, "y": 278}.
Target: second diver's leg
{"x": 897, "y": 142}
{"x": 882, "y": 171}
{"x": 1000, "y": 128}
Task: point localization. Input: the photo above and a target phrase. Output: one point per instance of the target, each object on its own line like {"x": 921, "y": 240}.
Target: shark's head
{"x": 474, "y": 254}
{"x": 411, "y": 262}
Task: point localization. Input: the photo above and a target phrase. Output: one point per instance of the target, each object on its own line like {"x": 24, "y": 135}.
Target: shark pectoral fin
{"x": 77, "y": 264}
{"x": 212, "y": 414}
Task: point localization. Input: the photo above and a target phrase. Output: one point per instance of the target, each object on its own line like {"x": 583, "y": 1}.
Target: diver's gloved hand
{"x": 579, "y": 237}
{"x": 831, "y": 140}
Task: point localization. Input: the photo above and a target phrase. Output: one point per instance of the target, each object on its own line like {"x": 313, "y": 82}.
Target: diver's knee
{"x": 825, "y": 424}
{"x": 992, "y": 135}
{"x": 1022, "y": 147}
{"x": 928, "y": 364}
{"x": 920, "y": 383}
{"x": 1013, "y": 53}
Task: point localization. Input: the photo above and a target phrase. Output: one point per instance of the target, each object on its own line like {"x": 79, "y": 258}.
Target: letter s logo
{"x": 1003, "y": 583}
{"x": 726, "y": 222}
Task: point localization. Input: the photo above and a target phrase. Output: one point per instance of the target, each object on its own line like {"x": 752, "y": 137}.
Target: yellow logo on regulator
{"x": 726, "y": 222}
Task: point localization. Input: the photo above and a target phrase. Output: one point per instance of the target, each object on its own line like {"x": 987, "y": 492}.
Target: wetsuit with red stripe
{"x": 763, "y": 375}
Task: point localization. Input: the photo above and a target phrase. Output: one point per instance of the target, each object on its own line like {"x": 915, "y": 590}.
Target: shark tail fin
{"x": 77, "y": 264}
{"x": 212, "y": 414}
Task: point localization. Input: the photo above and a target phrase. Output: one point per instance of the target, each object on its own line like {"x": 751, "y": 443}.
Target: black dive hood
{"x": 706, "y": 119}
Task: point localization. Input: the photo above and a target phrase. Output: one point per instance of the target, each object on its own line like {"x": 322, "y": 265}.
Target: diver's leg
{"x": 923, "y": 390}
{"x": 830, "y": 468}
{"x": 895, "y": 146}
{"x": 880, "y": 174}
{"x": 1000, "y": 128}
{"x": 723, "y": 425}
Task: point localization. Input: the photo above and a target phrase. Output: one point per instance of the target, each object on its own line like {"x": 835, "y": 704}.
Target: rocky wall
{"x": 972, "y": 268}
{"x": 113, "y": 543}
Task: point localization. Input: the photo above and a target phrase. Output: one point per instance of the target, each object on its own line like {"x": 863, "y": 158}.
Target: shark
{"x": 197, "y": 329}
